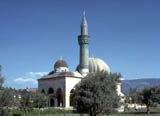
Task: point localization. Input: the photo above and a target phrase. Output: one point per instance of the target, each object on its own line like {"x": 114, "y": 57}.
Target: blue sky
{"x": 34, "y": 34}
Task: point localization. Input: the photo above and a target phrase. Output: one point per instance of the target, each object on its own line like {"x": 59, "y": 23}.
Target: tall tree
{"x": 32, "y": 100}
{"x": 39, "y": 100}
{"x": 7, "y": 97}
{"x": 26, "y": 101}
{"x": 96, "y": 93}
{"x": 1, "y": 78}
{"x": 150, "y": 96}
{"x": 6, "y": 100}
{"x": 147, "y": 98}
{"x": 1, "y": 81}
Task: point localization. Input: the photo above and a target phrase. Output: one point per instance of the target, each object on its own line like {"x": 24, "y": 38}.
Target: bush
{"x": 3, "y": 112}
{"x": 16, "y": 114}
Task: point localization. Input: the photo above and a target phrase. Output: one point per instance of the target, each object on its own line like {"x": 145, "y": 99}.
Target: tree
{"x": 150, "y": 96}
{"x": 1, "y": 81}
{"x": 39, "y": 101}
{"x": 6, "y": 100}
{"x": 7, "y": 97}
{"x": 147, "y": 98}
{"x": 1, "y": 78}
{"x": 31, "y": 100}
{"x": 96, "y": 94}
{"x": 25, "y": 101}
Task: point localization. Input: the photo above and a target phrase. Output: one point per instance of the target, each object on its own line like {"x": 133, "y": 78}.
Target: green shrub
{"x": 16, "y": 114}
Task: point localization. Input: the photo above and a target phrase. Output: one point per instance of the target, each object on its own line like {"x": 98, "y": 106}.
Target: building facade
{"x": 59, "y": 84}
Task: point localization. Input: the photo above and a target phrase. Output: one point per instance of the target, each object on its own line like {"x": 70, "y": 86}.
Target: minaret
{"x": 83, "y": 40}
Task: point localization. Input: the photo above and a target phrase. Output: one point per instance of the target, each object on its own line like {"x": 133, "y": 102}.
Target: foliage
{"x": 6, "y": 100}
{"x": 134, "y": 96}
{"x": 25, "y": 101}
{"x": 39, "y": 100}
{"x": 1, "y": 78}
{"x": 7, "y": 97}
{"x": 96, "y": 93}
{"x": 30, "y": 100}
{"x": 150, "y": 96}
{"x": 1, "y": 81}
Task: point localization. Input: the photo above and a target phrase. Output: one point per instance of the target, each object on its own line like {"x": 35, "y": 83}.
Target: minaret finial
{"x": 84, "y": 26}
{"x": 84, "y": 13}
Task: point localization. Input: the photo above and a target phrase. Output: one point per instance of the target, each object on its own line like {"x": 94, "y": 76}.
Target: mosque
{"x": 60, "y": 82}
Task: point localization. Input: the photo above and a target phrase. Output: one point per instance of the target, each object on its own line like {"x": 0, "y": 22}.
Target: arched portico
{"x": 51, "y": 97}
{"x": 59, "y": 95}
{"x": 71, "y": 97}
{"x": 42, "y": 91}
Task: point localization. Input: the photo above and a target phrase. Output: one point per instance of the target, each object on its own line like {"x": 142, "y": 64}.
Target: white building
{"x": 59, "y": 83}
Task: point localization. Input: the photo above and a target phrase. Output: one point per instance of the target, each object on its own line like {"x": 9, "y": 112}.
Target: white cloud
{"x": 29, "y": 80}
{"x": 25, "y": 80}
{"x": 122, "y": 79}
{"x": 35, "y": 74}
{"x": 30, "y": 77}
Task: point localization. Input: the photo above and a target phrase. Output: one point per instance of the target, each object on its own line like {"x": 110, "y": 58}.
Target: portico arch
{"x": 50, "y": 91}
{"x": 42, "y": 91}
{"x": 71, "y": 97}
{"x": 51, "y": 97}
{"x": 59, "y": 95}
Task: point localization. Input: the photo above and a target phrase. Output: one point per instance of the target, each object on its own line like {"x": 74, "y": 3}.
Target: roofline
{"x": 60, "y": 77}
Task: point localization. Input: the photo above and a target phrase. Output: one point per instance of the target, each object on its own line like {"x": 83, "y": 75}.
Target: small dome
{"x": 61, "y": 66}
{"x": 98, "y": 65}
{"x": 60, "y": 63}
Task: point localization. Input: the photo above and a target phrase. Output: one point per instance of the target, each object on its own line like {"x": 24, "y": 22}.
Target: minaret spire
{"x": 84, "y": 13}
{"x": 84, "y": 26}
{"x": 83, "y": 40}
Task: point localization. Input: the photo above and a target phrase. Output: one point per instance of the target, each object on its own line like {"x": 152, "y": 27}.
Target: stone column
{"x": 67, "y": 100}
{"x": 55, "y": 102}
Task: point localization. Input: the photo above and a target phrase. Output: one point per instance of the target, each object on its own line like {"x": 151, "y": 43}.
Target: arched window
{"x": 50, "y": 91}
{"x": 71, "y": 97}
{"x": 42, "y": 91}
{"x": 59, "y": 97}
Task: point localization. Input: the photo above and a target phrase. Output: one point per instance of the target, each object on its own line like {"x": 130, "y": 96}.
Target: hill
{"x": 139, "y": 84}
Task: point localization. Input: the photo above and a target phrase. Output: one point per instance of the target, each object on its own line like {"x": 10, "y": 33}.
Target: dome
{"x": 98, "y": 65}
{"x": 61, "y": 66}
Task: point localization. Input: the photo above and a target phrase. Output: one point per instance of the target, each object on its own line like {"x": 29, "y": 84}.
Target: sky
{"x": 34, "y": 34}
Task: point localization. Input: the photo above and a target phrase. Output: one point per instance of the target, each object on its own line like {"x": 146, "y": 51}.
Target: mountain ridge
{"x": 139, "y": 84}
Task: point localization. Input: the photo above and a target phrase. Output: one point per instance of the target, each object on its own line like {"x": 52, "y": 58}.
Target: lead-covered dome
{"x": 61, "y": 66}
{"x": 98, "y": 65}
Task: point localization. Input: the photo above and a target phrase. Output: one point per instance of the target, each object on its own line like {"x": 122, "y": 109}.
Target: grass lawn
{"x": 70, "y": 114}
{"x": 135, "y": 115}
{"x": 55, "y": 112}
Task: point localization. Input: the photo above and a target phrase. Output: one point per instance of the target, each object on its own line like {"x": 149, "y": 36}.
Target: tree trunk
{"x": 38, "y": 111}
{"x": 92, "y": 112}
{"x": 148, "y": 110}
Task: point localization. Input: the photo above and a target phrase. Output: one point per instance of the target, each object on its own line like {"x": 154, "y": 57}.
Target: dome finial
{"x": 61, "y": 66}
{"x": 61, "y": 58}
